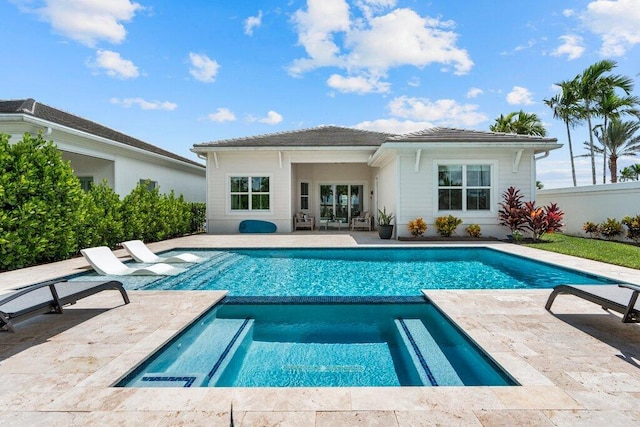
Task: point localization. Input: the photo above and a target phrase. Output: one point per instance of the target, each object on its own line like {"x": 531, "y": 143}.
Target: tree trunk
{"x": 573, "y": 165}
{"x": 604, "y": 152}
{"x": 591, "y": 151}
{"x": 613, "y": 165}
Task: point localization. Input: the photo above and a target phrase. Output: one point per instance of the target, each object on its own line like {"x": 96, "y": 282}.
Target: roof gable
{"x": 33, "y": 108}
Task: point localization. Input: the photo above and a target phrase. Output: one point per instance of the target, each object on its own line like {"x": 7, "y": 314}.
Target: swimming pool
{"x": 363, "y": 272}
{"x": 320, "y": 342}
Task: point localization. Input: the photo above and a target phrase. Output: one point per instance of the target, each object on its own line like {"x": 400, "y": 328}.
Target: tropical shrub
{"x": 41, "y": 206}
{"x": 103, "y": 225}
{"x": 511, "y": 210}
{"x": 417, "y": 227}
{"x": 591, "y": 228}
{"x": 446, "y": 225}
{"x": 633, "y": 227}
{"x": 611, "y": 228}
{"x": 198, "y": 217}
{"x": 542, "y": 220}
{"x": 473, "y": 230}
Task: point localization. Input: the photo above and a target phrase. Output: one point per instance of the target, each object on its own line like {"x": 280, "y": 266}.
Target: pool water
{"x": 343, "y": 342}
{"x": 363, "y": 272}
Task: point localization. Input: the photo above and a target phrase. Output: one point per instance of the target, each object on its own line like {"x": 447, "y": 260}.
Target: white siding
{"x": 388, "y": 196}
{"x": 418, "y": 192}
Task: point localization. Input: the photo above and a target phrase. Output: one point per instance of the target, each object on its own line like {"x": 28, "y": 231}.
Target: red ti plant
{"x": 511, "y": 210}
{"x": 540, "y": 220}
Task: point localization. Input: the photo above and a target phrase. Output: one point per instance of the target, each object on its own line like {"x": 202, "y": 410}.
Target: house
{"x": 337, "y": 173}
{"x": 97, "y": 152}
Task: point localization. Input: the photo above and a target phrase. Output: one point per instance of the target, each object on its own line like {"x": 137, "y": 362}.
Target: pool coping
{"x": 568, "y": 372}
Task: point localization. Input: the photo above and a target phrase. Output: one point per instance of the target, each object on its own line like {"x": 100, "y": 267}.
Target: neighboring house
{"x": 333, "y": 172}
{"x": 97, "y": 152}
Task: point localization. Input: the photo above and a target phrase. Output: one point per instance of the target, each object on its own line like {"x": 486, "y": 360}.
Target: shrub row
{"x": 612, "y": 228}
{"x": 445, "y": 226}
{"x": 45, "y": 216}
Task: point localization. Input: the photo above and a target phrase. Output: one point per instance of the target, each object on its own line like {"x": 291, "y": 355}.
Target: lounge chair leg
{"x": 550, "y": 300}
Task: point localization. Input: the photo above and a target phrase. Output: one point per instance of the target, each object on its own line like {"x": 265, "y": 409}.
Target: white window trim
{"x": 491, "y": 212}
{"x": 227, "y": 192}
{"x": 309, "y": 195}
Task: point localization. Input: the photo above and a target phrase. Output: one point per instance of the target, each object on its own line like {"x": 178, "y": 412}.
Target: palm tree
{"x": 628, "y": 174}
{"x": 565, "y": 107}
{"x": 590, "y": 84}
{"x": 621, "y": 141}
{"x": 519, "y": 122}
{"x": 611, "y": 106}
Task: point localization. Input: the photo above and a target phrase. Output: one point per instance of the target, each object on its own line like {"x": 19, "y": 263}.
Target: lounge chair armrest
{"x": 31, "y": 288}
{"x": 630, "y": 286}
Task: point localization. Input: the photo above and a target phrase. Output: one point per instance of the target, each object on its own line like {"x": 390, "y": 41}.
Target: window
{"x": 151, "y": 185}
{"x": 249, "y": 193}
{"x": 304, "y": 196}
{"x": 464, "y": 187}
{"x": 86, "y": 182}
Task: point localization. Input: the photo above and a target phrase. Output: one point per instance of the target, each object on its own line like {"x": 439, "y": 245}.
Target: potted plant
{"x": 385, "y": 227}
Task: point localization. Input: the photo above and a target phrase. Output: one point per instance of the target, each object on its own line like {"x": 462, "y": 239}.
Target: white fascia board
{"x": 200, "y": 149}
{"x": 45, "y": 123}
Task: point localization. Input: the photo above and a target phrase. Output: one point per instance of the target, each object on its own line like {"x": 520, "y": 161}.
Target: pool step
{"x": 431, "y": 363}
{"x": 199, "y": 275}
{"x": 203, "y": 354}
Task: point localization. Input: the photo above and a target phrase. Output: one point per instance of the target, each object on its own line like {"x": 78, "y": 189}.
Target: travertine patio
{"x": 579, "y": 366}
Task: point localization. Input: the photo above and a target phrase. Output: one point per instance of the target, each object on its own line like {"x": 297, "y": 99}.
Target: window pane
{"x": 304, "y": 188}
{"x": 450, "y": 176}
{"x": 239, "y": 202}
{"x": 260, "y": 184}
{"x": 239, "y": 184}
{"x": 449, "y": 199}
{"x": 478, "y": 175}
{"x": 260, "y": 202}
{"x": 304, "y": 203}
{"x": 478, "y": 200}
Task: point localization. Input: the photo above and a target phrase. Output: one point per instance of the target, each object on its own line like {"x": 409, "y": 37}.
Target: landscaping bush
{"x": 633, "y": 227}
{"x": 103, "y": 225}
{"x": 41, "y": 205}
{"x": 591, "y": 228}
{"x": 417, "y": 227}
{"x": 473, "y": 230}
{"x": 198, "y": 217}
{"x": 611, "y": 228}
{"x": 446, "y": 225}
{"x": 520, "y": 216}
{"x": 511, "y": 210}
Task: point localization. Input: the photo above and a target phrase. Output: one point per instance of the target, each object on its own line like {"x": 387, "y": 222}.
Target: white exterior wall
{"x": 418, "y": 194}
{"x": 386, "y": 194}
{"x": 220, "y": 218}
{"x": 120, "y": 165}
{"x": 593, "y": 203}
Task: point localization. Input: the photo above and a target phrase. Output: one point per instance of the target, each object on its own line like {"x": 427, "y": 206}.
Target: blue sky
{"x": 178, "y": 73}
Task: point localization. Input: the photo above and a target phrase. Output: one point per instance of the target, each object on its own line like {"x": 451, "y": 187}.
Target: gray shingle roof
{"x": 33, "y": 108}
{"x": 327, "y": 136}
{"x": 439, "y": 134}
{"x": 334, "y": 136}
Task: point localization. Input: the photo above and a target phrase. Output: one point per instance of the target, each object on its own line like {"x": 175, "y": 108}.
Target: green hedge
{"x": 45, "y": 216}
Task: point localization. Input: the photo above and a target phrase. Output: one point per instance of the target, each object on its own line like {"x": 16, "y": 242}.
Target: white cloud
{"x": 222, "y": 115}
{"x": 474, "y": 92}
{"x": 568, "y": 12}
{"x": 520, "y": 96}
{"x": 414, "y": 81}
{"x": 442, "y": 112}
{"x": 87, "y": 21}
{"x": 370, "y": 44}
{"x": 203, "y": 68}
{"x": 251, "y": 23}
{"x": 572, "y": 46}
{"x": 272, "y": 118}
{"x": 145, "y": 105}
{"x": 358, "y": 84}
{"x": 114, "y": 65}
{"x": 617, "y": 22}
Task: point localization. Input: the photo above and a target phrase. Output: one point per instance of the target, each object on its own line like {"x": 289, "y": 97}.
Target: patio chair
{"x": 622, "y": 298}
{"x": 362, "y": 222}
{"x": 49, "y": 297}
{"x": 104, "y": 262}
{"x": 303, "y": 221}
{"x": 141, "y": 253}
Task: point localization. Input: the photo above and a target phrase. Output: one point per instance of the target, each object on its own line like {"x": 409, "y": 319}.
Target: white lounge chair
{"x": 105, "y": 262}
{"x": 141, "y": 253}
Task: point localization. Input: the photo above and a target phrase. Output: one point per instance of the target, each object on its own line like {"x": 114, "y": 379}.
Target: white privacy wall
{"x": 593, "y": 203}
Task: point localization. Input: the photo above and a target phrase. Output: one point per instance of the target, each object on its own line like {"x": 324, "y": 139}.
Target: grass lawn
{"x": 598, "y": 250}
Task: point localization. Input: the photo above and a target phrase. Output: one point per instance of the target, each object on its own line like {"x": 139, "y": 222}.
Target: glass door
{"x": 326, "y": 202}
{"x": 340, "y": 202}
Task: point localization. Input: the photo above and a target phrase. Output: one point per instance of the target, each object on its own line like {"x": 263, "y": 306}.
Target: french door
{"x": 340, "y": 201}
